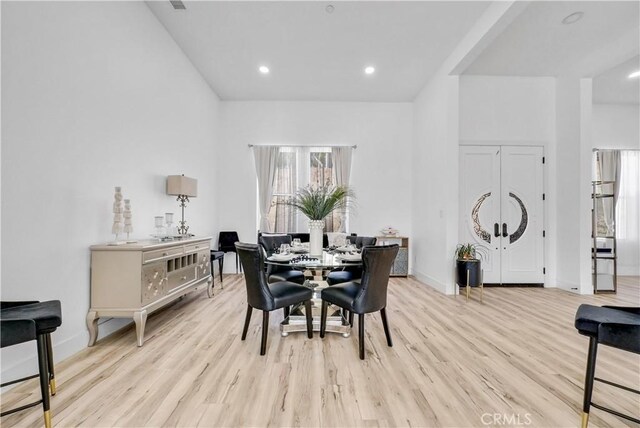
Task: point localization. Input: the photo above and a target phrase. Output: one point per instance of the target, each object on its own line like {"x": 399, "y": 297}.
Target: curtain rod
{"x": 355, "y": 146}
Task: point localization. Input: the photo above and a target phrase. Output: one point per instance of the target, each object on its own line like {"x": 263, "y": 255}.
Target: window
{"x": 627, "y": 208}
{"x": 282, "y": 217}
{"x": 298, "y": 167}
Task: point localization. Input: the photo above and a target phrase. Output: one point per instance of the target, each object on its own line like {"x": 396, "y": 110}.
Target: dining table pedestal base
{"x": 297, "y": 320}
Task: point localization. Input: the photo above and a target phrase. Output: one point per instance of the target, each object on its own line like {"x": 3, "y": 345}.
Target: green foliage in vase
{"x": 469, "y": 251}
{"x": 318, "y": 202}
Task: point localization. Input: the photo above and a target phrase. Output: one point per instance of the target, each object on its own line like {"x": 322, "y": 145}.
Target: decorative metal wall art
{"x": 524, "y": 220}
{"x": 477, "y": 227}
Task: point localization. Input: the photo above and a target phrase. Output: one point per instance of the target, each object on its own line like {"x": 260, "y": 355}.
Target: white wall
{"x": 573, "y": 153}
{"x": 381, "y": 168}
{"x": 94, "y": 95}
{"x": 435, "y": 190}
{"x": 616, "y": 126}
{"x": 507, "y": 109}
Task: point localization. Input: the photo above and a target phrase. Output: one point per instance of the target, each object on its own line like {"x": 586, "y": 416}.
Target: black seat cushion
{"x": 613, "y": 326}
{"x": 342, "y": 295}
{"x": 287, "y": 275}
{"x": 215, "y": 255}
{"x": 288, "y": 293}
{"x": 14, "y": 331}
{"x": 46, "y": 315}
{"x": 340, "y": 276}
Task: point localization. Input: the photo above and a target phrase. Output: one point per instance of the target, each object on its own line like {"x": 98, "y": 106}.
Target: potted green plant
{"x": 317, "y": 202}
{"x": 468, "y": 264}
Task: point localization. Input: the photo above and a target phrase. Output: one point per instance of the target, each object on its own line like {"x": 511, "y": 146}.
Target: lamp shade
{"x": 181, "y": 185}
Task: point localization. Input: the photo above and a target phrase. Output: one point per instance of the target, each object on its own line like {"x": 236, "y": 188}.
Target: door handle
{"x": 504, "y": 230}
{"x": 496, "y": 230}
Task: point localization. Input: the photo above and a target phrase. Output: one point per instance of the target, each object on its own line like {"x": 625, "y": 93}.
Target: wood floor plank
{"x": 454, "y": 363}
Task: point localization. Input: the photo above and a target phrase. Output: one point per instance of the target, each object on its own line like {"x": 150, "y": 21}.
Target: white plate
{"x": 350, "y": 257}
{"x": 344, "y": 249}
{"x": 281, "y": 257}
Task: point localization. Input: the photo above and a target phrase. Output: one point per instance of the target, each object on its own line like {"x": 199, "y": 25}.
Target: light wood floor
{"x": 515, "y": 356}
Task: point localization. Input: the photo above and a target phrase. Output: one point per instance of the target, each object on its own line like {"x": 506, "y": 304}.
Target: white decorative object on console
{"x": 133, "y": 280}
{"x": 117, "y": 213}
{"x": 128, "y": 227}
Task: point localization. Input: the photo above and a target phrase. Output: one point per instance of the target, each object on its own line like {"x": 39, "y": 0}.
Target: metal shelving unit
{"x": 603, "y": 190}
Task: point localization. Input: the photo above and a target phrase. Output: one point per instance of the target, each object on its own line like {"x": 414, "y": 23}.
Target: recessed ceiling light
{"x": 369, "y": 70}
{"x": 264, "y": 69}
{"x": 330, "y": 8}
{"x": 573, "y": 18}
{"x": 634, "y": 74}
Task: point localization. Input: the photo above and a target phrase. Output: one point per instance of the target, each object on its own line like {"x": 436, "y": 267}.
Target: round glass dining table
{"x": 316, "y": 269}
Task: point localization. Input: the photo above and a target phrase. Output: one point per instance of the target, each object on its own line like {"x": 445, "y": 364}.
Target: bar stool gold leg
{"x": 468, "y": 288}
{"x": 47, "y": 419}
{"x": 585, "y": 420}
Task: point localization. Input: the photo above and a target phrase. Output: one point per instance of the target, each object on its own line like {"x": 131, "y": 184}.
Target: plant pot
{"x": 472, "y": 266}
{"x": 315, "y": 237}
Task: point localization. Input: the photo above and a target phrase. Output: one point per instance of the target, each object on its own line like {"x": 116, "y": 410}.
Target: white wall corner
{"x": 433, "y": 283}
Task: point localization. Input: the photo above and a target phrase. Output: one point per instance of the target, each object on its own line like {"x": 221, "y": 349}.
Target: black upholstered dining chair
{"x": 25, "y": 321}
{"x": 226, "y": 241}
{"x": 350, "y": 273}
{"x": 279, "y": 273}
{"x": 269, "y": 297}
{"x": 615, "y": 326}
{"x": 368, "y": 295}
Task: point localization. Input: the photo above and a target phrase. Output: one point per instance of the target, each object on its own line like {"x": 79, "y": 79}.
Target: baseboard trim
{"x": 513, "y": 285}
{"x": 431, "y": 282}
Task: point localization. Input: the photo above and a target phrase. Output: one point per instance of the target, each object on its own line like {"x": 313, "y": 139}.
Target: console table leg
{"x": 210, "y": 287}
{"x": 92, "y": 326}
{"x": 140, "y": 318}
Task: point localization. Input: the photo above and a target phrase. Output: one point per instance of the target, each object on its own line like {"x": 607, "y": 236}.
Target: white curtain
{"x": 342, "y": 171}
{"x": 342, "y": 164}
{"x": 266, "y": 158}
{"x": 609, "y": 161}
{"x": 628, "y": 206}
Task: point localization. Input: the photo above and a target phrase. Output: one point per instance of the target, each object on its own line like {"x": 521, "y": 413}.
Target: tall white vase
{"x": 315, "y": 237}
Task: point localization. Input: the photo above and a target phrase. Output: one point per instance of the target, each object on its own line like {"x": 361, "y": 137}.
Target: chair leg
{"x": 221, "y": 266}
{"x": 44, "y": 378}
{"x": 361, "y": 335}
{"x": 265, "y": 331}
{"x": 246, "y": 322}
{"x": 351, "y": 319}
{"x": 323, "y": 318}
{"x": 52, "y": 373}
{"x": 287, "y": 311}
{"x": 307, "y": 310}
{"x": 385, "y": 324}
{"x": 588, "y": 380}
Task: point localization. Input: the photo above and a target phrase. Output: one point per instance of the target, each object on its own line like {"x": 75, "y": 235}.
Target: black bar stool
{"x": 615, "y": 326}
{"x": 25, "y": 321}
{"x": 219, "y": 256}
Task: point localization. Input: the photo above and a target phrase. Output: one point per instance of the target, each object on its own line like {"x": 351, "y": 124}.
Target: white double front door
{"x": 501, "y": 209}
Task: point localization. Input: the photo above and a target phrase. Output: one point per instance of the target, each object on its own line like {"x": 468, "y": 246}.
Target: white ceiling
{"x": 536, "y": 43}
{"x": 614, "y": 86}
{"x": 314, "y": 55}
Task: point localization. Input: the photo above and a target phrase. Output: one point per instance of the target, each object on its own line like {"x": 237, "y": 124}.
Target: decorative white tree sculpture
{"x": 128, "y": 228}
{"x": 117, "y": 213}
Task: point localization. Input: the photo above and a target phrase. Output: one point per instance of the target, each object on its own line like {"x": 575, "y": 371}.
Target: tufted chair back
{"x": 377, "y": 262}
{"x": 258, "y": 294}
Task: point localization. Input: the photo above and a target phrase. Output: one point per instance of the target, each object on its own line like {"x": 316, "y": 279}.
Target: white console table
{"x": 133, "y": 280}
